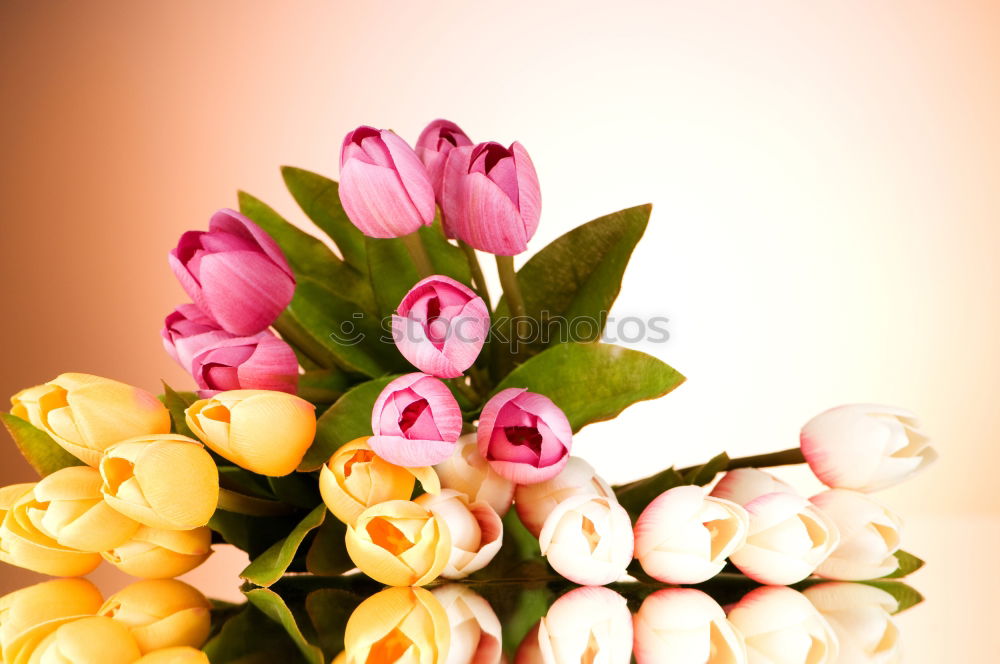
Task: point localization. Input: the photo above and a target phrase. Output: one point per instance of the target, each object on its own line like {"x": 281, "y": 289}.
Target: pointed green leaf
{"x": 323, "y": 385}
{"x": 251, "y": 637}
{"x": 319, "y": 198}
{"x": 704, "y": 474}
{"x": 906, "y": 596}
{"x": 253, "y": 534}
{"x": 908, "y": 564}
{"x": 448, "y": 259}
{"x": 271, "y": 604}
{"x": 327, "y": 555}
{"x": 329, "y": 610}
{"x": 37, "y": 447}
{"x": 271, "y": 565}
{"x": 177, "y": 403}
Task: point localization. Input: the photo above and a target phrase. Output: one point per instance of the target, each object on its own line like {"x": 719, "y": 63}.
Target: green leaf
{"x": 323, "y": 385}
{"x": 349, "y": 418}
{"x": 251, "y": 637}
{"x": 327, "y": 555}
{"x": 705, "y": 473}
{"x": 298, "y": 489}
{"x": 37, "y": 447}
{"x": 530, "y": 605}
{"x": 636, "y": 496}
{"x": 271, "y": 565}
{"x": 908, "y": 564}
{"x": 253, "y": 534}
{"x": 319, "y": 198}
{"x": 906, "y": 596}
{"x": 448, "y": 259}
{"x": 243, "y": 481}
{"x": 329, "y": 610}
{"x": 271, "y": 604}
{"x": 177, "y": 403}
{"x": 592, "y": 382}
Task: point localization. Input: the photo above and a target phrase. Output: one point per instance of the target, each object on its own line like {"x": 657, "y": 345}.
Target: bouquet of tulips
{"x": 361, "y": 402}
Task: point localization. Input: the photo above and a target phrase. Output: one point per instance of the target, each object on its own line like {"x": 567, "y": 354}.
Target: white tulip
{"x": 869, "y": 536}
{"x": 587, "y": 625}
{"x": 475, "y": 629}
{"x": 744, "y": 484}
{"x": 476, "y": 531}
{"x": 467, "y": 472}
{"x": 534, "y": 502}
{"x": 861, "y": 617}
{"x": 588, "y": 540}
{"x": 780, "y": 626}
{"x": 685, "y": 626}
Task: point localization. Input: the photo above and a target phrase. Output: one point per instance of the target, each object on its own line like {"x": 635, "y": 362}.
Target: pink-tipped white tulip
{"x": 260, "y": 362}
{"x": 869, "y": 536}
{"x": 416, "y": 421}
{"x": 476, "y": 531}
{"x": 861, "y": 617}
{"x": 467, "y": 472}
{"x": 588, "y": 540}
{"x": 744, "y": 484}
{"x": 684, "y": 536}
{"x": 187, "y": 330}
{"x": 780, "y": 625}
{"x": 475, "y": 629}
{"x": 685, "y": 626}
{"x": 435, "y": 142}
{"x": 524, "y": 436}
{"x": 865, "y": 447}
{"x": 534, "y": 502}
{"x": 587, "y": 625}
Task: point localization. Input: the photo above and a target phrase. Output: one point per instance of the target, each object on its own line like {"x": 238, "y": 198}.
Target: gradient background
{"x": 826, "y": 181}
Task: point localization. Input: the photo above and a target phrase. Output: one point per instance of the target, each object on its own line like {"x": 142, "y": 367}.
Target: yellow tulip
{"x": 162, "y": 554}
{"x": 263, "y": 431}
{"x": 179, "y": 655}
{"x": 163, "y": 481}
{"x": 398, "y": 625}
{"x": 161, "y": 613}
{"x": 86, "y": 414}
{"x": 30, "y": 614}
{"x": 399, "y": 543}
{"x": 93, "y": 640}
{"x": 355, "y": 478}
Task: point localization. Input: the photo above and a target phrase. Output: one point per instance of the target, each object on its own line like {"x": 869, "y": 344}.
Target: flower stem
{"x": 511, "y": 289}
{"x": 477, "y": 274}
{"x": 419, "y": 254}
{"x": 230, "y": 501}
{"x": 788, "y": 457}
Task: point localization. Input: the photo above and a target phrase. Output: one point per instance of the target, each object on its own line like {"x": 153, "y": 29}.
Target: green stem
{"x": 231, "y": 501}
{"x": 477, "y": 274}
{"x": 467, "y": 390}
{"x": 511, "y": 289}
{"x": 419, "y": 254}
{"x": 308, "y": 347}
{"x": 788, "y": 457}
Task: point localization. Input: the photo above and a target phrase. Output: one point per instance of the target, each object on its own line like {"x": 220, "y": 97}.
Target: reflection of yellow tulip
{"x": 161, "y": 613}
{"x": 356, "y": 478}
{"x": 93, "y": 640}
{"x": 165, "y": 481}
{"x": 399, "y": 543}
{"x": 162, "y": 554}
{"x": 398, "y": 625}
{"x": 85, "y": 414}
{"x": 30, "y": 614}
{"x": 180, "y": 655}
{"x": 263, "y": 431}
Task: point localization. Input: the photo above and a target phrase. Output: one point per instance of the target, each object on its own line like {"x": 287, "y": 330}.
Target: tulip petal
{"x": 244, "y": 291}
{"x": 376, "y": 201}
{"x": 492, "y": 222}
{"x": 412, "y": 174}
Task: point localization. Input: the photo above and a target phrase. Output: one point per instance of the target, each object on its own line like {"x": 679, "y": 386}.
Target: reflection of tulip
{"x": 93, "y": 640}
{"x": 235, "y": 273}
{"x": 399, "y": 543}
{"x": 865, "y": 447}
{"x": 384, "y": 188}
{"x": 398, "y": 624}
{"x": 685, "y": 626}
{"x": 524, "y": 436}
{"x": 534, "y": 502}
{"x": 85, "y": 414}
{"x": 435, "y": 142}
{"x": 474, "y": 627}
{"x": 162, "y": 554}
{"x": 588, "y": 540}
{"x": 161, "y": 614}
{"x": 261, "y": 362}
{"x": 440, "y": 326}
{"x": 186, "y": 331}
{"x": 165, "y": 481}
{"x": 179, "y": 655}
{"x": 476, "y": 531}
{"x": 778, "y": 624}
{"x": 684, "y": 536}
{"x": 869, "y": 536}
{"x": 586, "y": 625}
{"x": 416, "y": 421}
{"x": 263, "y": 431}
{"x": 861, "y": 617}
{"x": 355, "y": 478}
{"x": 30, "y": 614}
{"x": 467, "y": 472}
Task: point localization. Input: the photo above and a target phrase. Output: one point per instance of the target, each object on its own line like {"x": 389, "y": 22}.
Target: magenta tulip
{"x": 440, "y": 326}
{"x": 186, "y": 331}
{"x": 261, "y": 362}
{"x": 524, "y": 436}
{"x": 384, "y": 188}
{"x": 234, "y": 272}
{"x": 435, "y": 142}
{"x": 416, "y": 421}
{"x": 491, "y": 197}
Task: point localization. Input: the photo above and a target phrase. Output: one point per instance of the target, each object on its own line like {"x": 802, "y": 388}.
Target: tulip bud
{"x": 587, "y": 625}
{"x": 685, "y": 626}
{"x": 261, "y": 362}
{"x": 779, "y": 624}
{"x": 166, "y": 481}
{"x": 85, "y": 414}
{"x": 355, "y": 478}
{"x": 396, "y": 623}
{"x": 399, "y": 543}
{"x": 467, "y": 472}
{"x": 162, "y": 613}
{"x": 475, "y": 629}
{"x": 30, "y": 614}
{"x": 263, "y": 431}
{"x": 162, "y": 554}
{"x": 534, "y": 502}
{"x": 588, "y": 540}
{"x": 861, "y": 617}
{"x": 524, "y": 436}
{"x": 179, "y": 655}
{"x": 235, "y": 273}
{"x": 869, "y": 536}
{"x": 491, "y": 198}
{"x": 744, "y": 484}
{"x": 416, "y": 421}
{"x": 440, "y": 326}
{"x": 476, "y": 531}
{"x": 384, "y": 188}
{"x": 92, "y": 640}
{"x": 684, "y": 536}
{"x": 186, "y": 331}
{"x": 435, "y": 142}
{"x": 865, "y": 447}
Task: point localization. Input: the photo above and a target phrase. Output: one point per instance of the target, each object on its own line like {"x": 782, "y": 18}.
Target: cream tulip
{"x": 178, "y": 655}
{"x": 467, "y": 472}
{"x": 534, "y": 502}
{"x": 744, "y": 484}
{"x": 587, "y": 625}
{"x": 475, "y": 629}
{"x": 162, "y": 554}
{"x": 685, "y": 626}
{"x": 869, "y": 536}
{"x": 30, "y": 614}
{"x": 398, "y": 625}
{"x": 779, "y": 624}
{"x": 861, "y": 617}
{"x": 476, "y": 531}
{"x": 588, "y": 540}
{"x": 92, "y": 640}
{"x": 263, "y": 431}
{"x": 161, "y": 613}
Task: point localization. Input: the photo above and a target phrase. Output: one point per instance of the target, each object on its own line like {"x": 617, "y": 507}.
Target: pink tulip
{"x": 261, "y": 362}
{"x": 524, "y": 436}
{"x": 435, "y": 142}
{"x": 491, "y": 198}
{"x": 416, "y": 421}
{"x": 186, "y": 331}
{"x": 384, "y": 188}
{"x": 234, "y": 272}
{"x": 440, "y": 326}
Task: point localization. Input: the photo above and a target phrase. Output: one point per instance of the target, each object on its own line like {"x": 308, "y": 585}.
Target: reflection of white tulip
{"x": 588, "y": 540}
{"x": 534, "y": 502}
{"x": 869, "y": 536}
{"x": 865, "y": 447}
{"x": 685, "y": 626}
{"x": 467, "y": 472}
{"x": 860, "y": 616}
{"x": 684, "y": 536}
{"x": 780, "y": 626}
{"x": 475, "y": 629}
{"x": 587, "y": 625}
{"x": 476, "y": 531}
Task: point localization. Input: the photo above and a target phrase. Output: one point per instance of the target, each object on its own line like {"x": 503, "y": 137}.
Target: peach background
{"x": 826, "y": 179}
